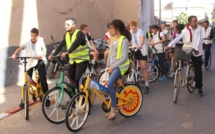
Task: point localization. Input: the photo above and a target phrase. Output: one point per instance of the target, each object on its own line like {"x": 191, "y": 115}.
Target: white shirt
{"x": 136, "y": 40}
{"x": 196, "y": 39}
{"x": 33, "y": 50}
{"x": 159, "y": 47}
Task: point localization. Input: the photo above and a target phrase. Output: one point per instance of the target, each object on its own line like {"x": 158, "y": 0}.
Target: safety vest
{"x": 124, "y": 67}
{"x": 81, "y": 53}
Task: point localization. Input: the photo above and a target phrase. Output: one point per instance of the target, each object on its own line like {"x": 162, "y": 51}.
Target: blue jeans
{"x": 113, "y": 78}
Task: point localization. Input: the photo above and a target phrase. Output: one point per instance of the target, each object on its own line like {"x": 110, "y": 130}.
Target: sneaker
{"x": 146, "y": 90}
{"x": 47, "y": 103}
{"x": 163, "y": 78}
{"x": 172, "y": 74}
{"x": 200, "y": 92}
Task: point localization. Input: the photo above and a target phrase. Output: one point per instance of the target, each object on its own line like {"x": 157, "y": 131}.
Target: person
{"x": 192, "y": 39}
{"x": 163, "y": 28}
{"x": 138, "y": 38}
{"x": 118, "y": 61}
{"x": 93, "y": 50}
{"x": 172, "y": 49}
{"x": 77, "y": 50}
{"x": 178, "y": 52}
{"x": 35, "y": 47}
{"x": 157, "y": 42}
{"x": 207, "y": 35}
{"x": 108, "y": 40}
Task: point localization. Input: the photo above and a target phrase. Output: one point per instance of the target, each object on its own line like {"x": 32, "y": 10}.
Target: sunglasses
{"x": 67, "y": 25}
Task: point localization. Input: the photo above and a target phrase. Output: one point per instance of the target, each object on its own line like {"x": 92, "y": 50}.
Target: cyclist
{"x": 74, "y": 41}
{"x": 93, "y": 50}
{"x": 118, "y": 61}
{"x": 192, "y": 36}
{"x": 207, "y": 35}
{"x": 35, "y": 47}
{"x": 157, "y": 43}
{"x": 138, "y": 37}
{"x": 174, "y": 24}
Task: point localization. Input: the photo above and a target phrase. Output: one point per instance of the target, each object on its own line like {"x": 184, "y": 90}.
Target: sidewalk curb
{"x": 14, "y": 110}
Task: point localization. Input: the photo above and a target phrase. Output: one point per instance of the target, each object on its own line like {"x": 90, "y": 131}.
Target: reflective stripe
{"x": 80, "y": 49}
{"x": 86, "y": 56}
{"x": 124, "y": 66}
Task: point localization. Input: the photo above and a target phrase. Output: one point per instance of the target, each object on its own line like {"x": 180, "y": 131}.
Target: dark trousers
{"x": 75, "y": 72}
{"x": 42, "y": 74}
{"x": 197, "y": 64}
{"x": 207, "y": 49}
{"x": 161, "y": 57}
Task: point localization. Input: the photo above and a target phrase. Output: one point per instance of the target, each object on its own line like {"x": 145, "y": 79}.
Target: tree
{"x": 182, "y": 18}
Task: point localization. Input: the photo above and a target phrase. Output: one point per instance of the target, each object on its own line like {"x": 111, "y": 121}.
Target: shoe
{"x": 172, "y": 74}
{"x": 112, "y": 114}
{"x": 47, "y": 103}
{"x": 107, "y": 114}
{"x": 163, "y": 78}
{"x": 146, "y": 90}
{"x": 200, "y": 92}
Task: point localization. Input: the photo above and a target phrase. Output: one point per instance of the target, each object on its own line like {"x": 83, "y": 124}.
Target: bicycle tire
{"x": 191, "y": 80}
{"x": 177, "y": 86}
{"x": 134, "y": 93}
{"x": 209, "y": 63}
{"x": 58, "y": 107}
{"x": 26, "y": 103}
{"x": 50, "y": 71}
{"x": 74, "y": 112}
{"x": 154, "y": 70}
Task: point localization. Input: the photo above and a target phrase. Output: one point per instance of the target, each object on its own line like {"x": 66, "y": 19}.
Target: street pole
{"x": 159, "y": 12}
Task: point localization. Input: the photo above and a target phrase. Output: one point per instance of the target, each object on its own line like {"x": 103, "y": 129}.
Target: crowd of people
{"x": 179, "y": 39}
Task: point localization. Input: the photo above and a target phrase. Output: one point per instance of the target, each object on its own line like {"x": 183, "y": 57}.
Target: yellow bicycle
{"x": 30, "y": 87}
{"x": 129, "y": 102}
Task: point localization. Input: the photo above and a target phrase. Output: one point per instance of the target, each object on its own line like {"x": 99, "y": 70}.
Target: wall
{"x": 127, "y": 10}
{"x": 20, "y": 16}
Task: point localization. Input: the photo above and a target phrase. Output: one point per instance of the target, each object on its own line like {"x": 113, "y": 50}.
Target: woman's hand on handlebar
{"x": 13, "y": 56}
{"x": 110, "y": 70}
{"x": 50, "y": 57}
{"x": 64, "y": 54}
{"x": 138, "y": 47}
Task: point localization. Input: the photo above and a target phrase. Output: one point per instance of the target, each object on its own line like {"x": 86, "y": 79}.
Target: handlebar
{"x": 23, "y": 57}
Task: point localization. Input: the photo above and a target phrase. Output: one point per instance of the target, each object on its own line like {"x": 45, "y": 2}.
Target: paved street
{"x": 158, "y": 115}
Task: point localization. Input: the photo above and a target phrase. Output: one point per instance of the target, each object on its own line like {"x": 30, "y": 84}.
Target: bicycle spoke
{"x": 76, "y": 121}
{"x": 52, "y": 112}
{"x": 73, "y": 121}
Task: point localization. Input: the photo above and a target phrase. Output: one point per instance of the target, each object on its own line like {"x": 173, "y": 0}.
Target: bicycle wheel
{"x": 76, "y": 116}
{"x": 54, "y": 105}
{"x": 191, "y": 84}
{"x": 26, "y": 102}
{"x": 133, "y": 93}
{"x": 209, "y": 63}
{"x": 177, "y": 85}
{"x": 153, "y": 73}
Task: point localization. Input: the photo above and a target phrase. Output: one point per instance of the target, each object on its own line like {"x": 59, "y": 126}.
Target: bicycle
{"x": 53, "y": 66}
{"x": 56, "y": 100}
{"x": 129, "y": 103}
{"x": 181, "y": 80}
{"x": 30, "y": 87}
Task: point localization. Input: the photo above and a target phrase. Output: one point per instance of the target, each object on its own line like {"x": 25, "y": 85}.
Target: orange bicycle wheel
{"x": 130, "y": 108}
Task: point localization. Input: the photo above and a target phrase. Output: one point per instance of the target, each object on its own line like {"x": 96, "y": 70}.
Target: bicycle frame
{"x": 100, "y": 93}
